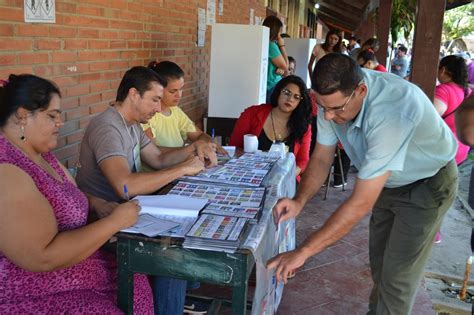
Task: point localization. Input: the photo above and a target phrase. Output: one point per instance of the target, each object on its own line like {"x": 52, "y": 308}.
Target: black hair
{"x": 274, "y": 24}
{"x": 372, "y": 43}
{"x": 291, "y": 59}
{"x": 457, "y": 70}
{"x": 336, "y": 72}
{"x": 167, "y": 69}
{"x": 338, "y": 46}
{"x": 300, "y": 118}
{"x": 25, "y": 91}
{"x": 403, "y": 48}
{"x": 139, "y": 78}
{"x": 367, "y": 55}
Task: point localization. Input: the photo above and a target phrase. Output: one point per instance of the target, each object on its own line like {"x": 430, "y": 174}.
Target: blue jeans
{"x": 168, "y": 295}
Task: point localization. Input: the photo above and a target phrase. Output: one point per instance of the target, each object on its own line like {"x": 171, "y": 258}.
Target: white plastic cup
{"x": 250, "y": 143}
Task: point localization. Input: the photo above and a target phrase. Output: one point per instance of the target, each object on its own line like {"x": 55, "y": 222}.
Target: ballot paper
{"x": 150, "y": 226}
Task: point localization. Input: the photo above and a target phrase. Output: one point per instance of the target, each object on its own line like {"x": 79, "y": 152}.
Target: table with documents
{"x": 166, "y": 256}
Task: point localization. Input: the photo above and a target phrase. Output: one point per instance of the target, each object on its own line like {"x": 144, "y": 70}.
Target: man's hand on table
{"x": 206, "y": 152}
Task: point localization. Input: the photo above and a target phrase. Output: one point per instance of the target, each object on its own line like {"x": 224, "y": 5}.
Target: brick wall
{"x": 93, "y": 42}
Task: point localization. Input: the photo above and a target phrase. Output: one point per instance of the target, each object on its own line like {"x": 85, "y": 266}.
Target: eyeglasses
{"x": 337, "y": 108}
{"x": 290, "y": 95}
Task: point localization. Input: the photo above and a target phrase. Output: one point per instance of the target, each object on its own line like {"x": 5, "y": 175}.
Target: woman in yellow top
{"x": 172, "y": 127}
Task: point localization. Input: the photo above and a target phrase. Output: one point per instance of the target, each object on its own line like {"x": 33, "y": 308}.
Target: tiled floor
{"x": 337, "y": 281}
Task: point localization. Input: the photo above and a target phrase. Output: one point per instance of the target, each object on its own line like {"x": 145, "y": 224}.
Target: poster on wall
{"x": 40, "y": 11}
{"x": 221, "y": 7}
{"x": 211, "y": 12}
{"x": 252, "y": 17}
{"x": 201, "y": 31}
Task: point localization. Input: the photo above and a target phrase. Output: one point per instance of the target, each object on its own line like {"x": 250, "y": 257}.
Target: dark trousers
{"x": 402, "y": 229}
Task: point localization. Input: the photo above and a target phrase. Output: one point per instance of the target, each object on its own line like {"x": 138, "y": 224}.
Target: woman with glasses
{"x": 286, "y": 119}
{"x": 50, "y": 260}
{"x": 366, "y": 59}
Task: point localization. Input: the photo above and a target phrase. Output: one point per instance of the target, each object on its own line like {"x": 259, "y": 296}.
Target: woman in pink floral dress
{"x": 49, "y": 258}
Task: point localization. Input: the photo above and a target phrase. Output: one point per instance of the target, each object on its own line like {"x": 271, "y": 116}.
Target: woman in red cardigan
{"x": 286, "y": 119}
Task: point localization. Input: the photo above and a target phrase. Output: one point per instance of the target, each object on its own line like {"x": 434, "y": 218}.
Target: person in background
{"x": 470, "y": 68}
{"x": 407, "y": 178}
{"x": 113, "y": 147}
{"x": 49, "y": 256}
{"x": 291, "y": 66}
{"x": 372, "y": 43}
{"x": 171, "y": 127}
{"x": 366, "y": 59}
{"x": 400, "y": 63}
{"x": 465, "y": 121}
{"x": 277, "y": 57}
{"x": 452, "y": 74}
{"x": 333, "y": 43}
{"x": 286, "y": 119}
{"x": 353, "y": 44}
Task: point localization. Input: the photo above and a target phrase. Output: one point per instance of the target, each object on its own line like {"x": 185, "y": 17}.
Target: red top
{"x": 251, "y": 122}
{"x": 452, "y": 95}
{"x": 380, "y": 68}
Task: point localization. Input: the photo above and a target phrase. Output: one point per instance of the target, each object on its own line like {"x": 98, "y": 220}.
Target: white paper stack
{"x": 166, "y": 215}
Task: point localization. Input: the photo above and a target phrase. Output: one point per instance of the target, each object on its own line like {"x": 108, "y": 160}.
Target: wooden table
{"x": 161, "y": 257}
{"x": 166, "y": 257}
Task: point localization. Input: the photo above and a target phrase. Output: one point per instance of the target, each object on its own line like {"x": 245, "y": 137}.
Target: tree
{"x": 458, "y": 22}
{"x": 403, "y": 18}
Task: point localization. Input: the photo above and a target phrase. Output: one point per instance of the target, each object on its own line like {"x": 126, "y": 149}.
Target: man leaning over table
{"x": 114, "y": 146}
{"x": 404, "y": 153}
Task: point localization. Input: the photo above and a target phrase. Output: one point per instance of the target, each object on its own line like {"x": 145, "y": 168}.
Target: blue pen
{"x": 125, "y": 192}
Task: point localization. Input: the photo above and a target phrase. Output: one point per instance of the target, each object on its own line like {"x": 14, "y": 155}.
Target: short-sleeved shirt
{"x": 397, "y": 130}
{"x": 470, "y": 72}
{"x": 172, "y": 130}
{"x": 452, "y": 95}
{"x": 107, "y": 135}
{"x": 403, "y": 63}
{"x": 272, "y": 77}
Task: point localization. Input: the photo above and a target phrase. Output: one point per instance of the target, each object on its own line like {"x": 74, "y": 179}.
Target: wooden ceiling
{"x": 347, "y": 15}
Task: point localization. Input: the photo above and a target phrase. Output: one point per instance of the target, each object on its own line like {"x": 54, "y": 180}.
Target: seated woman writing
{"x": 48, "y": 255}
{"x": 286, "y": 119}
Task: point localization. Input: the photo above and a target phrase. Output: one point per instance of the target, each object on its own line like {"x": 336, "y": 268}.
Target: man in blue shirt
{"x": 404, "y": 153}
{"x": 400, "y": 63}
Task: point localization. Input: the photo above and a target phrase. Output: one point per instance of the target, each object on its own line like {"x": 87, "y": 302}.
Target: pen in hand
{"x": 125, "y": 192}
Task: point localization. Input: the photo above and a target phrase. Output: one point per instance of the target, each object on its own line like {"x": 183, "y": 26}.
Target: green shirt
{"x": 272, "y": 78}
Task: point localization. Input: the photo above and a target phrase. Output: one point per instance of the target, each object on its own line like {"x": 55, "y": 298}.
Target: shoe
{"x": 437, "y": 238}
{"x": 339, "y": 185}
{"x": 195, "y": 307}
